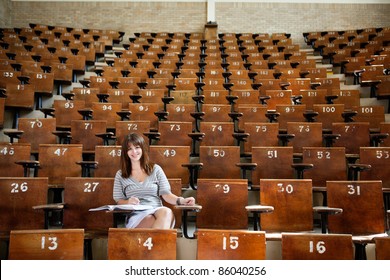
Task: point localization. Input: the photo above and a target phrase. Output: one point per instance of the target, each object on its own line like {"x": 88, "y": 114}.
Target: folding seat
{"x": 133, "y": 80}
{"x": 289, "y": 113}
{"x": 9, "y": 77}
{"x": 67, "y": 110}
{"x": 382, "y": 248}
{"x": 217, "y": 133}
{"x": 290, "y": 207}
{"x": 219, "y": 244}
{"x": 226, "y": 196}
{"x": 351, "y": 64}
{"x": 172, "y": 159}
{"x": 328, "y": 114}
{"x": 87, "y": 133}
{"x": 63, "y": 74}
{"x": 276, "y": 97}
{"x": 123, "y": 96}
{"x": 53, "y": 244}
{"x": 328, "y": 83}
{"x": 141, "y": 244}
{"x": 100, "y": 82}
{"x": 175, "y": 133}
{"x": 2, "y": 102}
{"x": 306, "y": 134}
{"x": 145, "y": 112}
{"x": 313, "y": 246}
{"x": 34, "y": 132}
{"x": 325, "y": 163}
{"x": 314, "y": 72}
{"x": 362, "y": 214}
{"x": 378, "y": 158}
{"x": 124, "y": 128}
{"x": 350, "y": 98}
{"x": 374, "y": 114}
{"x": 58, "y": 161}
{"x": 20, "y": 97}
{"x": 11, "y": 154}
{"x": 260, "y": 135}
{"x": 107, "y": 112}
{"x": 252, "y": 113}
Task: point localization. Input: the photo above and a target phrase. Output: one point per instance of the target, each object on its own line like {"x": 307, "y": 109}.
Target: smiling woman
{"x": 140, "y": 182}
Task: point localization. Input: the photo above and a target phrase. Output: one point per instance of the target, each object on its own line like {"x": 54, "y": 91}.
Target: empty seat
{"x": 312, "y": 246}
{"x": 10, "y": 154}
{"x": 382, "y": 248}
{"x": 230, "y": 245}
{"x": 85, "y": 132}
{"x": 107, "y": 160}
{"x": 53, "y": 244}
{"x": 141, "y": 244}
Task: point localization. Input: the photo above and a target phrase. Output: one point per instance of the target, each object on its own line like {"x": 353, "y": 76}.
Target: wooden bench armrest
{"x": 259, "y": 208}
{"x": 185, "y": 209}
{"x": 50, "y": 206}
{"x": 325, "y": 211}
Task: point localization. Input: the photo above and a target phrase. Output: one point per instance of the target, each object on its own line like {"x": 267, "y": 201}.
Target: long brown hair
{"x": 136, "y": 140}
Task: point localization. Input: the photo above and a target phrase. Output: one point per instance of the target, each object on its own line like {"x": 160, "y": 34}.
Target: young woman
{"x": 141, "y": 182}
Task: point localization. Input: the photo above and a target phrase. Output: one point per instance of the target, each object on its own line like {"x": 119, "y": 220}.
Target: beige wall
{"x": 294, "y": 18}
{"x": 5, "y": 15}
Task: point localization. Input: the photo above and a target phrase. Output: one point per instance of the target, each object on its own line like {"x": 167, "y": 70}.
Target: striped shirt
{"x": 148, "y": 192}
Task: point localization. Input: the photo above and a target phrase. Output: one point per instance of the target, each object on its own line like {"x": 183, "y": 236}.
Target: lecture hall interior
{"x": 273, "y": 114}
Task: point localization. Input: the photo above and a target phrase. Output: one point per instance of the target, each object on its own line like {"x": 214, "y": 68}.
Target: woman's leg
{"x": 162, "y": 218}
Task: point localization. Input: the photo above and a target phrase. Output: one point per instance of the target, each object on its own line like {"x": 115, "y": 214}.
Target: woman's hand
{"x": 187, "y": 201}
{"x": 133, "y": 200}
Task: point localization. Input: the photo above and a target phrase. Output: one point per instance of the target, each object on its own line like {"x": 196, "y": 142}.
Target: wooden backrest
{"x": 219, "y": 162}
{"x": 353, "y": 135}
{"x": 20, "y": 96}
{"x": 290, "y": 113}
{"x": 329, "y": 84}
{"x": 382, "y": 248}
{"x": 108, "y": 160}
{"x": 385, "y": 128}
{"x": 328, "y": 164}
{"x": 175, "y": 133}
{"x": 292, "y": 202}
{"x": 2, "y": 102}
{"x": 82, "y": 194}
{"x": 278, "y": 97}
{"x": 18, "y": 196}
{"x": 216, "y": 113}
{"x": 84, "y": 132}
{"x": 328, "y": 114}
{"x": 223, "y": 203}
{"x": 379, "y": 159}
{"x": 272, "y": 163}
{"x": 230, "y": 245}
{"x": 217, "y": 133}
{"x": 306, "y": 135}
{"x": 43, "y": 82}
{"x": 88, "y": 95}
{"x": 141, "y": 244}
{"x": 54, "y": 244}
{"x": 122, "y": 96}
{"x": 350, "y": 98}
{"x": 176, "y": 188}
{"x": 66, "y": 111}
{"x": 37, "y": 131}
{"x": 107, "y": 112}
{"x": 58, "y": 161}
{"x": 171, "y": 158}
{"x": 312, "y": 246}
{"x": 145, "y": 112}
{"x": 180, "y": 112}
{"x": 11, "y": 153}
{"x": 261, "y": 135}
{"x": 214, "y": 96}
{"x": 362, "y": 204}
{"x": 124, "y": 128}
{"x": 372, "y": 114}
{"x": 252, "y": 113}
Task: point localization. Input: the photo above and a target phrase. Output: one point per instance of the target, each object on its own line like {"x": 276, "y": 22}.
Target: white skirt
{"x": 136, "y": 217}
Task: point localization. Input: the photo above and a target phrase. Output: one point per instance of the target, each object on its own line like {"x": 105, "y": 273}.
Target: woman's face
{"x": 134, "y": 152}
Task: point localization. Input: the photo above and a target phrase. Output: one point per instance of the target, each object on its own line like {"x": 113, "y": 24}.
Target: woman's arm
{"x": 178, "y": 200}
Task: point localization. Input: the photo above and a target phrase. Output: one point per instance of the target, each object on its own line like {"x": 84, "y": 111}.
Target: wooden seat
{"x": 350, "y": 98}
{"x": 312, "y": 246}
{"x": 223, "y": 203}
{"x": 328, "y": 114}
{"x": 328, "y": 164}
{"x": 145, "y": 112}
{"x": 107, "y": 112}
{"x": 85, "y": 132}
{"x": 385, "y": 128}
{"x": 58, "y": 161}
{"x": 53, "y": 244}
{"x": 372, "y": 114}
{"x": 35, "y": 132}
{"x": 27, "y": 192}
{"x": 260, "y": 135}
{"x": 353, "y": 135}
{"x": 107, "y": 161}
{"x": 378, "y": 158}
{"x": 217, "y": 133}
{"x": 290, "y": 113}
{"x": 272, "y": 163}
{"x": 277, "y": 97}
{"x": 124, "y": 128}
{"x": 2, "y": 102}
{"x": 175, "y": 133}
{"x": 306, "y": 134}
{"x": 292, "y": 202}
{"x": 363, "y": 211}
{"x": 10, "y": 154}
{"x": 382, "y": 248}
{"x": 313, "y": 96}
{"x": 230, "y": 245}
{"x": 122, "y": 96}
{"x": 19, "y": 97}
{"x": 252, "y": 113}
{"x": 65, "y": 111}
{"x": 171, "y": 158}
{"x": 141, "y": 244}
